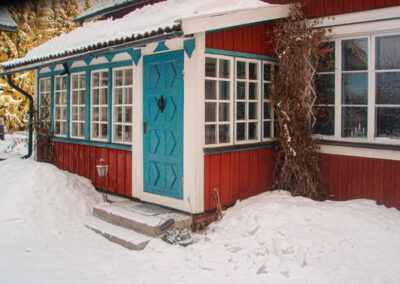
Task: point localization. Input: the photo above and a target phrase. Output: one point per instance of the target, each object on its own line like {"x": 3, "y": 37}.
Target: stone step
{"x": 141, "y": 217}
{"x": 125, "y": 237}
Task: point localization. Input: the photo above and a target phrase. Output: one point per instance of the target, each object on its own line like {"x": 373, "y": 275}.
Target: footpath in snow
{"x": 270, "y": 238}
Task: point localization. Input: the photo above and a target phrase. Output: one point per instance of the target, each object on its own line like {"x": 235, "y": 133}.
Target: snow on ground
{"x": 270, "y": 238}
{"x": 14, "y": 145}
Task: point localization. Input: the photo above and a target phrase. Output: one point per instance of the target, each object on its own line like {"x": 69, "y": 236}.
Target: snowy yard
{"x": 14, "y": 145}
{"x": 270, "y": 238}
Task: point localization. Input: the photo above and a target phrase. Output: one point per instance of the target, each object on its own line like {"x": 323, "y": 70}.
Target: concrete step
{"x": 125, "y": 237}
{"x": 141, "y": 217}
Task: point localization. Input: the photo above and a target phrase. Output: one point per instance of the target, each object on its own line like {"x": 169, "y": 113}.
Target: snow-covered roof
{"x": 151, "y": 20}
{"x": 6, "y": 22}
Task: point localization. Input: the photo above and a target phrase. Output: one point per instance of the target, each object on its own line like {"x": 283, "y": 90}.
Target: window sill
{"x": 365, "y": 145}
{"x": 240, "y": 147}
{"x": 94, "y": 143}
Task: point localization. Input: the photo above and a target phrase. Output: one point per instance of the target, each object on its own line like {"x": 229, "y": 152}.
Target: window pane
{"x": 75, "y": 82}
{"x": 355, "y": 54}
{"x": 74, "y": 128}
{"x": 267, "y": 72}
{"x": 57, "y": 113}
{"x": 267, "y": 129}
{"x": 104, "y": 114}
{"x": 57, "y": 127}
{"x": 325, "y": 86}
{"x": 118, "y": 96}
{"x": 82, "y": 113}
{"x": 241, "y": 110}
{"x": 75, "y": 95}
{"x": 82, "y": 81}
{"x": 96, "y": 79}
{"x": 224, "y": 134}
{"x": 75, "y": 113}
{"x": 388, "y": 52}
{"x": 118, "y": 114}
{"x": 241, "y": 90}
{"x": 253, "y": 113}
{"x": 240, "y": 131}
{"x": 224, "y": 112}
{"x": 96, "y": 114}
{"x": 82, "y": 97}
{"x": 58, "y": 83}
{"x": 267, "y": 87}
{"x": 129, "y": 96}
{"x": 118, "y": 133}
{"x": 325, "y": 124}
{"x": 253, "y": 91}
{"x": 253, "y": 67}
{"x": 96, "y": 97}
{"x": 223, "y": 90}
{"x": 118, "y": 77}
{"x": 354, "y": 122}
{"x": 104, "y": 131}
{"x": 95, "y": 130}
{"x": 241, "y": 70}
{"x": 128, "y": 134}
{"x": 388, "y": 88}
{"x": 104, "y": 78}
{"x": 104, "y": 96}
{"x": 327, "y": 62}
{"x": 388, "y": 122}
{"x": 210, "y": 134}
{"x": 211, "y": 89}
{"x": 224, "y": 68}
{"x": 128, "y": 114}
{"x": 82, "y": 129}
{"x": 128, "y": 76}
{"x": 64, "y": 113}
{"x": 267, "y": 111}
{"x": 211, "y": 112}
{"x": 355, "y": 88}
{"x": 211, "y": 67}
{"x": 253, "y": 130}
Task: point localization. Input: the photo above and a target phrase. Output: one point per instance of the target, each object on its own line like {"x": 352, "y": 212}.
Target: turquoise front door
{"x": 163, "y": 124}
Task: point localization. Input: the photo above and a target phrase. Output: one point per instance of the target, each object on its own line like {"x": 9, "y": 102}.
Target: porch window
{"x": 44, "y": 99}
{"x": 99, "y": 105}
{"x": 60, "y": 106}
{"x": 218, "y": 100}
{"x": 122, "y": 106}
{"x": 78, "y": 95}
{"x": 268, "y": 114}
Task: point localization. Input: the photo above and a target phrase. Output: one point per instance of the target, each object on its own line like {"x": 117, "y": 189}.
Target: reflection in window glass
{"x": 325, "y": 116}
{"x": 387, "y": 52}
{"x": 354, "y": 122}
{"x": 355, "y": 54}
{"x": 388, "y": 122}
{"x": 388, "y": 88}
{"x": 355, "y": 88}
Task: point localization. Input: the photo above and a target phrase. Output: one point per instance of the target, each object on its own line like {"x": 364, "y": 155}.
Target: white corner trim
{"x": 360, "y": 152}
{"x": 361, "y": 17}
{"x": 233, "y": 18}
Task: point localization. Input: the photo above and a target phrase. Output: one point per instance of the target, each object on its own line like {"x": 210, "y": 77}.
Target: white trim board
{"x": 360, "y": 152}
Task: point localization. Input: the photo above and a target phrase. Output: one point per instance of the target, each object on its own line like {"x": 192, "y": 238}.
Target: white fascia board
{"x": 360, "y": 17}
{"x": 217, "y": 21}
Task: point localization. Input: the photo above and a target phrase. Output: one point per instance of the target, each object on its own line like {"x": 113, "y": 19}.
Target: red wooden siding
{"x": 237, "y": 175}
{"x": 354, "y": 177}
{"x": 82, "y": 160}
{"x": 254, "y": 39}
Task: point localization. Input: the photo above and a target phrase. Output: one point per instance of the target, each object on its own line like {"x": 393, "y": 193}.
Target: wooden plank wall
{"x": 237, "y": 175}
{"x": 250, "y": 39}
{"x": 82, "y": 160}
{"x": 355, "y": 177}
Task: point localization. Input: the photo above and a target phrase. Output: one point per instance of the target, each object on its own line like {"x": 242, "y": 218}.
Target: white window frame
{"x": 99, "y": 106}
{"x": 46, "y": 93}
{"x": 78, "y": 105}
{"x": 61, "y": 92}
{"x": 217, "y": 123}
{"x": 268, "y": 101}
{"x": 123, "y": 105}
{"x": 371, "y": 106}
{"x": 247, "y": 101}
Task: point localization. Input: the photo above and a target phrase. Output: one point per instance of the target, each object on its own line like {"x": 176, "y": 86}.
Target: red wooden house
{"x": 173, "y": 96}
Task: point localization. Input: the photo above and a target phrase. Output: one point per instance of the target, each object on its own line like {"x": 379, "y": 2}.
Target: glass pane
{"x": 128, "y": 133}
{"x": 388, "y": 122}
{"x": 57, "y": 127}
{"x": 74, "y": 128}
{"x": 58, "y": 113}
{"x": 82, "y": 97}
{"x": 104, "y": 96}
{"x": 75, "y": 81}
{"x": 82, "y": 81}
{"x": 64, "y": 98}
{"x": 267, "y": 129}
{"x": 325, "y": 87}
{"x": 42, "y": 85}
{"x": 96, "y": 114}
{"x": 129, "y": 96}
{"x": 82, "y": 114}
{"x": 64, "y": 83}
{"x": 241, "y": 110}
{"x": 325, "y": 123}
{"x": 210, "y": 134}
{"x": 224, "y": 112}
{"x": 75, "y": 95}
{"x": 128, "y": 114}
{"x": 57, "y": 98}
{"x": 104, "y": 78}
{"x": 75, "y": 113}
{"x": 253, "y": 67}
{"x": 267, "y": 72}
{"x": 241, "y": 70}
{"x": 128, "y": 76}
{"x": 64, "y": 113}
{"x": 241, "y": 90}
{"x": 96, "y": 97}
{"x": 267, "y": 111}
{"x": 388, "y": 52}
{"x": 118, "y": 133}
{"x": 96, "y": 79}
{"x": 253, "y": 113}
{"x": 82, "y": 129}
{"x": 240, "y": 131}
{"x": 354, "y": 122}
{"x": 104, "y": 131}
{"x": 95, "y": 130}
{"x": 253, "y": 91}
{"x": 104, "y": 114}
{"x": 355, "y": 54}
{"x": 224, "y": 68}
{"x": 355, "y": 88}
{"x": 118, "y": 114}
{"x": 267, "y": 88}
{"x": 63, "y": 128}
{"x": 224, "y": 90}
{"x": 327, "y": 60}
{"x": 253, "y": 130}
{"x": 211, "y": 89}
{"x": 224, "y": 134}
{"x": 118, "y": 77}
{"x": 211, "y": 67}
{"x": 388, "y": 88}
{"x": 58, "y": 83}
{"x": 118, "y": 96}
{"x": 211, "y": 112}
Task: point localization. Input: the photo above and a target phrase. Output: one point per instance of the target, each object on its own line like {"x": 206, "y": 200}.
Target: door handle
{"x": 144, "y": 127}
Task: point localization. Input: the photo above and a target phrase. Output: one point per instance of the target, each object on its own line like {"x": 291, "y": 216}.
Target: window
{"x": 268, "y": 114}
{"x": 247, "y": 100}
{"x": 122, "y": 106}
{"x": 99, "y": 105}
{"x": 218, "y": 100}
{"x": 44, "y": 98}
{"x": 60, "y": 106}
{"x": 361, "y": 96}
{"x": 78, "y": 102}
